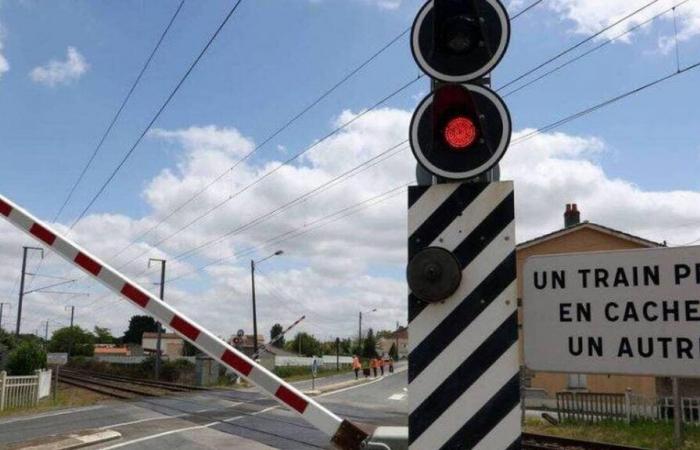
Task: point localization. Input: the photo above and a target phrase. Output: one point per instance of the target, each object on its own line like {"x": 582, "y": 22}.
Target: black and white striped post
{"x": 463, "y": 369}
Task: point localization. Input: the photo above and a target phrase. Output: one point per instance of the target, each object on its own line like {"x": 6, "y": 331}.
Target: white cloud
{"x": 589, "y": 16}
{"x": 352, "y": 264}
{"x": 4, "y": 65}
{"x": 61, "y": 72}
{"x": 385, "y": 4}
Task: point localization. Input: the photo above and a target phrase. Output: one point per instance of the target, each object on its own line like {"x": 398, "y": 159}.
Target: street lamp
{"x": 359, "y": 335}
{"x": 252, "y": 280}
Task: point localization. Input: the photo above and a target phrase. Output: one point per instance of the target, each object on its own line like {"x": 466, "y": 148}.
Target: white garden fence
{"x": 23, "y": 391}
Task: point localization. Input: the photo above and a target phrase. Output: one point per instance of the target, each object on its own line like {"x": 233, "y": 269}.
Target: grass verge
{"x": 646, "y": 434}
{"x": 66, "y": 397}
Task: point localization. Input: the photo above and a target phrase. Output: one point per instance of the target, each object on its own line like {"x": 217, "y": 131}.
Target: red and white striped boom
{"x": 343, "y": 434}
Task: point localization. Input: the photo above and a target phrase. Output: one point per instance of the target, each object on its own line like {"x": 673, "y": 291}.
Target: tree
{"x": 72, "y": 340}
{"x": 274, "y": 332}
{"x": 7, "y": 340}
{"x": 369, "y": 348}
{"x": 386, "y": 334}
{"x": 103, "y": 335}
{"x": 26, "y": 358}
{"x": 305, "y": 344}
{"x": 137, "y": 326}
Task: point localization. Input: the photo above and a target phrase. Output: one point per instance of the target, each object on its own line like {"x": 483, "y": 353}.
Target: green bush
{"x": 26, "y": 358}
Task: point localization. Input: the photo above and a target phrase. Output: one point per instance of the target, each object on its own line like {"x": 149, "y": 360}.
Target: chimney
{"x": 572, "y": 216}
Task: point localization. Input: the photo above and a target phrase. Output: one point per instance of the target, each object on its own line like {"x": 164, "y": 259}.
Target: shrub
{"x": 26, "y": 358}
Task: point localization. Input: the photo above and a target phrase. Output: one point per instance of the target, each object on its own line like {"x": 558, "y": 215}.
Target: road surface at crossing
{"x": 219, "y": 419}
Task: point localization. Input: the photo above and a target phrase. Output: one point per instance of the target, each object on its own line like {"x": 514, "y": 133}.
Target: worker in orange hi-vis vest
{"x": 356, "y": 365}
{"x": 375, "y": 365}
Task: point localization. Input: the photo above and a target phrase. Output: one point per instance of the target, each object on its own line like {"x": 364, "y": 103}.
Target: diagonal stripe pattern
{"x": 464, "y": 390}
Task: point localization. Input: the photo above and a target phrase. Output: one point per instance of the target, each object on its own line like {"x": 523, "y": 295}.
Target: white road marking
{"x": 397, "y": 371}
{"x": 57, "y": 413}
{"x": 398, "y": 397}
{"x": 180, "y": 430}
{"x": 148, "y": 419}
{"x": 230, "y": 419}
{"x": 155, "y": 436}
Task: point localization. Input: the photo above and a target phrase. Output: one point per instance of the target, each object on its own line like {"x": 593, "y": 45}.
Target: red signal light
{"x": 460, "y": 132}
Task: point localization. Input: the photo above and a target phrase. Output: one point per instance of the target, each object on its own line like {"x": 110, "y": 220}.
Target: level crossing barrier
{"x": 342, "y": 433}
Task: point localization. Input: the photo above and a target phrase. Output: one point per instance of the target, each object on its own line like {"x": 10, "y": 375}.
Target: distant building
{"x": 171, "y": 345}
{"x": 246, "y": 344}
{"x": 399, "y": 337}
{"x": 111, "y": 350}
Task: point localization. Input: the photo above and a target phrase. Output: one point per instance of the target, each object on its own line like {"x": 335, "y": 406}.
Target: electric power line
{"x": 526, "y": 9}
{"x": 592, "y": 50}
{"x": 577, "y": 45}
{"x": 157, "y": 115}
{"x": 119, "y": 111}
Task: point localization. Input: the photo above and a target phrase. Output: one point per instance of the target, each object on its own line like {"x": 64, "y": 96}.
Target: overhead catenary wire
{"x": 297, "y": 232}
{"x": 118, "y": 113}
{"x": 286, "y": 125}
{"x": 592, "y": 50}
{"x": 372, "y": 162}
{"x": 131, "y": 150}
{"x": 603, "y": 104}
{"x": 629, "y": 16}
{"x": 577, "y": 45}
{"x": 282, "y": 164}
{"x": 526, "y": 9}
{"x": 267, "y": 139}
{"x": 381, "y": 157}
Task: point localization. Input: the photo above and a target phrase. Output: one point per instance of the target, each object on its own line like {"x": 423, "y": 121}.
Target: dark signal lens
{"x": 460, "y": 132}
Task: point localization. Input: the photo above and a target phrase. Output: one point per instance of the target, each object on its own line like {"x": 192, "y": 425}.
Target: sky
{"x": 66, "y": 67}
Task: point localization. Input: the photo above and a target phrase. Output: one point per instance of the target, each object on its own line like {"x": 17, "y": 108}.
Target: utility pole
{"x": 359, "y": 334}
{"x": 159, "y": 328}
{"x": 70, "y": 341}
{"x": 46, "y": 333}
{"x": 25, "y": 249}
{"x": 252, "y": 282}
{"x": 255, "y": 316}
{"x": 397, "y": 339}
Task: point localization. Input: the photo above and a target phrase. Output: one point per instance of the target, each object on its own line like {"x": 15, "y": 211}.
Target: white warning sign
{"x": 625, "y": 312}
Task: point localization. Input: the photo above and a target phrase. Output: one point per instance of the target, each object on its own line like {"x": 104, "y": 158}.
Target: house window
{"x": 577, "y": 381}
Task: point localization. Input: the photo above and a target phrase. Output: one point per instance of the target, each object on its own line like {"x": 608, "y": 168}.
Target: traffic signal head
{"x": 460, "y": 131}
{"x": 456, "y": 41}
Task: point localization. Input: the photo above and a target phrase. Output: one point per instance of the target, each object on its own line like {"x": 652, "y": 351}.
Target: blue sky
{"x": 269, "y": 62}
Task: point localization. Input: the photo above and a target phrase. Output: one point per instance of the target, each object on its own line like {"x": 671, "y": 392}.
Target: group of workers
{"x": 375, "y": 365}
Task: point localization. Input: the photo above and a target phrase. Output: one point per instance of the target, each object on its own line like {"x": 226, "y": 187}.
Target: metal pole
{"x": 677, "y": 414}
{"x": 46, "y": 333}
{"x": 359, "y": 335}
{"x": 70, "y": 341}
{"x": 255, "y": 317}
{"x": 397, "y": 340}
{"x": 25, "y": 249}
{"x": 159, "y": 328}
{"x": 337, "y": 354}
{"x": 21, "y": 290}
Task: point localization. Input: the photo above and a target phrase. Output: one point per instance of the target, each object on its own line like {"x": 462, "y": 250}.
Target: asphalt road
{"x": 219, "y": 419}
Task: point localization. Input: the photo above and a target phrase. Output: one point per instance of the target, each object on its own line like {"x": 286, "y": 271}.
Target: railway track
{"x": 124, "y": 388}
{"x": 175, "y": 387}
{"x": 545, "y": 442}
